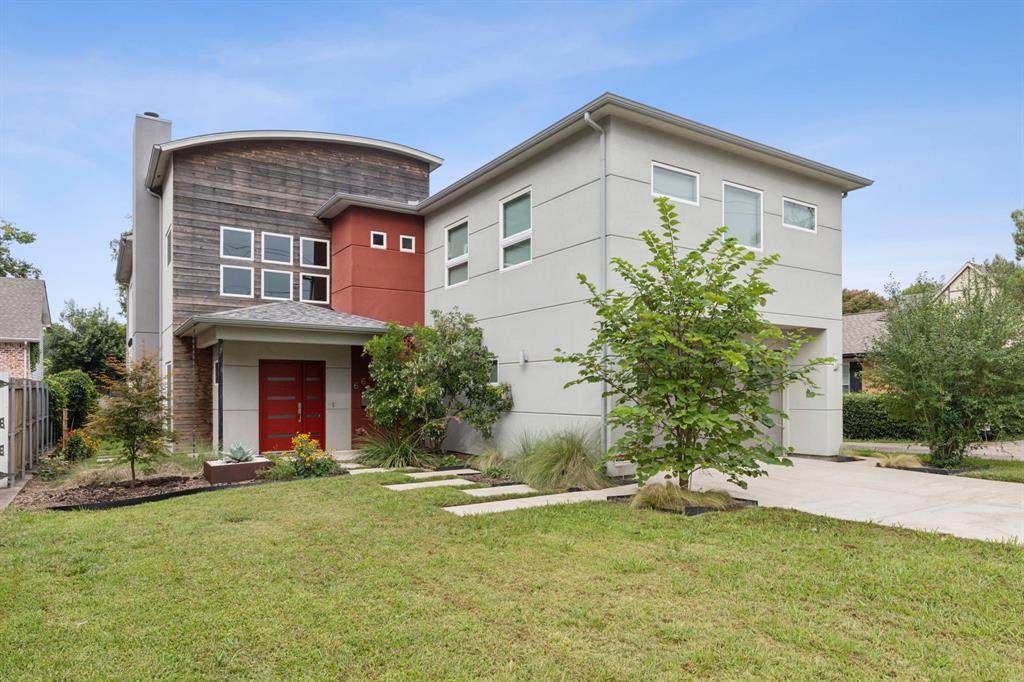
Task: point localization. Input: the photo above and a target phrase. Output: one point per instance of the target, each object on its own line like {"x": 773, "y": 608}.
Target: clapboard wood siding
{"x": 264, "y": 186}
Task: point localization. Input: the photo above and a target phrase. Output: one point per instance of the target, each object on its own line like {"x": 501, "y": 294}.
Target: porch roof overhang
{"x": 284, "y": 322}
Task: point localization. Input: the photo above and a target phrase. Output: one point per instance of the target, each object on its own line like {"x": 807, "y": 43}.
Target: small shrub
{"x": 282, "y": 469}
{"x": 78, "y": 446}
{"x": 499, "y": 473}
{"x": 393, "y": 449}
{"x": 239, "y": 453}
{"x": 865, "y": 416}
{"x": 900, "y": 462}
{"x": 490, "y": 458}
{"x": 671, "y": 497}
{"x": 54, "y": 466}
{"x": 448, "y": 460}
{"x": 310, "y": 460}
{"x": 560, "y": 460}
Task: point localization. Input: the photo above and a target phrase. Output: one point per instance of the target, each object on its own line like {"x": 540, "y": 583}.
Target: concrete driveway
{"x": 860, "y": 491}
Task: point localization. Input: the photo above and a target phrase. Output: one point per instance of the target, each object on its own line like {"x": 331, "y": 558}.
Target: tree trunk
{"x": 131, "y": 463}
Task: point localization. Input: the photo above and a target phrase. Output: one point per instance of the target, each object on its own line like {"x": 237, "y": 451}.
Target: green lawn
{"x": 339, "y": 578}
{"x": 1011, "y": 471}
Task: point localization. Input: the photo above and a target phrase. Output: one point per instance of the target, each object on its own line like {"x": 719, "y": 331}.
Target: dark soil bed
{"x": 689, "y": 511}
{"x": 937, "y": 470}
{"x": 483, "y": 478}
{"x": 829, "y": 458}
{"x": 38, "y": 495}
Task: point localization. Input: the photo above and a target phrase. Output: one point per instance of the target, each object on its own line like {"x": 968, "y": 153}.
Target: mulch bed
{"x": 39, "y": 495}
{"x": 937, "y": 470}
{"x": 483, "y": 478}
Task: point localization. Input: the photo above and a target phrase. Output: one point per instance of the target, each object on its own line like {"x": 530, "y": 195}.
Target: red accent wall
{"x": 385, "y": 284}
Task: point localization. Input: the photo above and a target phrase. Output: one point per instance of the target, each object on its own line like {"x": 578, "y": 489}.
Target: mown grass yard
{"x": 1008, "y": 470}
{"x": 341, "y": 579}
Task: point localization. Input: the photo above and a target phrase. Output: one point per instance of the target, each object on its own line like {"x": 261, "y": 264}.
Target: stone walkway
{"x": 443, "y": 483}
{"x": 540, "y": 501}
{"x": 7, "y": 495}
{"x": 1010, "y": 449}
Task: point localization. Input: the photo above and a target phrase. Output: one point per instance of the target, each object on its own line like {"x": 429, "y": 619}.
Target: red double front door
{"x": 292, "y": 397}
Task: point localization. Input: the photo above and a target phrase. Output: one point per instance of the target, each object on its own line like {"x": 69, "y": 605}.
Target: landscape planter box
{"x": 220, "y": 471}
{"x": 689, "y": 511}
{"x": 620, "y": 468}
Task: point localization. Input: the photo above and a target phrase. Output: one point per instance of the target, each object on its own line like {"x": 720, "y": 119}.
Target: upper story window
{"x": 236, "y": 280}
{"x": 315, "y": 288}
{"x": 675, "y": 183}
{"x": 456, "y": 254}
{"x": 276, "y": 285}
{"x": 235, "y": 243}
{"x": 407, "y": 243}
{"x": 277, "y": 248}
{"x": 741, "y": 212}
{"x": 799, "y": 215}
{"x": 378, "y": 240}
{"x": 516, "y": 227}
{"x": 314, "y": 252}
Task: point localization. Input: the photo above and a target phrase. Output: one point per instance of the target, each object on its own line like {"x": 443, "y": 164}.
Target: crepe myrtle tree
{"x": 689, "y": 361}
{"x": 425, "y": 378}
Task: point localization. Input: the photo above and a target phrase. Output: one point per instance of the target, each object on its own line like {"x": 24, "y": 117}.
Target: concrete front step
{"x": 443, "y": 483}
{"x": 518, "y": 489}
{"x": 540, "y": 501}
{"x": 436, "y": 474}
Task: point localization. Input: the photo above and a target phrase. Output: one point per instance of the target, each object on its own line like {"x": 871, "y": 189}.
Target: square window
{"x": 277, "y": 248}
{"x": 314, "y": 252}
{"x": 741, "y": 212}
{"x": 378, "y": 240}
{"x": 799, "y": 215}
{"x": 516, "y": 218}
{"x": 458, "y": 273}
{"x": 235, "y": 281}
{"x": 407, "y": 243}
{"x": 314, "y": 288}
{"x": 675, "y": 183}
{"x": 516, "y": 254}
{"x": 277, "y": 285}
{"x": 235, "y": 243}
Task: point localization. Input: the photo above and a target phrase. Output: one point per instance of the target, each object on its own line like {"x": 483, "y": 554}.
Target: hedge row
{"x": 865, "y": 418}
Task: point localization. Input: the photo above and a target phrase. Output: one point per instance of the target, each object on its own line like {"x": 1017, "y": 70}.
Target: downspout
{"x": 219, "y": 376}
{"x": 603, "y": 277}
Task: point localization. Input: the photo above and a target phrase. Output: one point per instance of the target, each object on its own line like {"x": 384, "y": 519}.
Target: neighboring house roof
{"x": 860, "y": 331}
{"x": 24, "y": 309}
{"x": 342, "y": 200}
{"x": 975, "y": 268}
{"x": 610, "y": 103}
{"x": 163, "y": 152}
{"x": 286, "y": 315}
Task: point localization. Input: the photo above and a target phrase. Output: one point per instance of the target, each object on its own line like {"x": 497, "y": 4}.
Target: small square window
{"x": 378, "y": 240}
{"x": 314, "y": 252}
{"x": 458, "y": 273}
{"x": 799, "y": 215}
{"x": 314, "y": 288}
{"x": 236, "y": 281}
{"x": 235, "y": 243}
{"x": 277, "y": 285}
{"x": 407, "y": 243}
{"x": 277, "y": 248}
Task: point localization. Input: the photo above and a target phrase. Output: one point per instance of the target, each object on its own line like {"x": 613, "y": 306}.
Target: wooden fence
{"x": 25, "y": 429}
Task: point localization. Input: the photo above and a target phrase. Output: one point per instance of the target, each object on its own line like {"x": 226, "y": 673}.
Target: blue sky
{"x": 927, "y": 99}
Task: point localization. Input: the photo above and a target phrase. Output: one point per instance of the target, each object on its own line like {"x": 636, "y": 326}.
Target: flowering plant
{"x": 309, "y": 459}
{"x": 79, "y": 446}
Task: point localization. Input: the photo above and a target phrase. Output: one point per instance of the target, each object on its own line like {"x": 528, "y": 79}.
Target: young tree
{"x": 9, "y": 265}
{"x": 425, "y": 378}
{"x": 955, "y": 368}
{"x": 691, "y": 362}
{"x": 1018, "y": 233}
{"x": 85, "y": 339}
{"x": 134, "y": 414}
{"x": 861, "y": 300}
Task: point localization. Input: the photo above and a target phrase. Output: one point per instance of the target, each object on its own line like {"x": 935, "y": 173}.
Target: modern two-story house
{"x": 261, "y": 261}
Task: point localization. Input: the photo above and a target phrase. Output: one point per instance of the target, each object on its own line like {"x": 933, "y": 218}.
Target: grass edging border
{"x": 744, "y": 503}
{"x": 937, "y": 470}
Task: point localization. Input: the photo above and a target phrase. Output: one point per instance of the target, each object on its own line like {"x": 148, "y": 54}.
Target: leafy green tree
{"x": 923, "y": 285}
{"x": 9, "y": 265}
{"x": 134, "y": 414}
{"x": 425, "y": 378}
{"x": 1018, "y": 233}
{"x": 75, "y": 390}
{"x": 953, "y": 368}
{"x": 691, "y": 363}
{"x": 861, "y": 300}
{"x": 85, "y": 339}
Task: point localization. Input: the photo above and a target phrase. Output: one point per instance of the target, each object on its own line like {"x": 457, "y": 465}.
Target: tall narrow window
{"x": 675, "y": 183}
{"x": 170, "y": 244}
{"x": 314, "y": 288}
{"x": 516, "y": 230}
{"x": 313, "y": 252}
{"x": 277, "y": 248}
{"x": 741, "y": 212}
{"x": 236, "y": 280}
{"x": 277, "y": 285}
{"x": 235, "y": 243}
{"x": 457, "y": 254}
{"x": 799, "y": 215}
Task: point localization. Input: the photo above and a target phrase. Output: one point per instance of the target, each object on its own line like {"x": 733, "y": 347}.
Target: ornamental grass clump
{"x": 670, "y": 497}
{"x": 560, "y": 460}
{"x": 309, "y": 460}
{"x": 393, "y": 449}
{"x": 900, "y": 462}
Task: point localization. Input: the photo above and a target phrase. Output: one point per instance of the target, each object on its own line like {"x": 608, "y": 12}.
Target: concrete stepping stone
{"x": 350, "y": 465}
{"x": 518, "y": 489}
{"x": 345, "y": 455}
{"x": 443, "y": 483}
{"x": 540, "y": 501}
{"x": 435, "y": 474}
{"x": 368, "y": 470}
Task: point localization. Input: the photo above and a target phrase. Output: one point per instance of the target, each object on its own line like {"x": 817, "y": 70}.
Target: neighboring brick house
{"x": 859, "y": 333}
{"x": 261, "y": 262}
{"x": 24, "y": 314}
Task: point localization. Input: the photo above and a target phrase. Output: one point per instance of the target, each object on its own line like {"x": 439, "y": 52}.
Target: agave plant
{"x": 239, "y": 453}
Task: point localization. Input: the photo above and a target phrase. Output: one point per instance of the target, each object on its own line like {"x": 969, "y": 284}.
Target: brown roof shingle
{"x": 860, "y": 331}
{"x": 24, "y": 309}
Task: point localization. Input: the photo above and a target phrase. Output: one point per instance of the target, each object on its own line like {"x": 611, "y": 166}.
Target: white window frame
{"x": 402, "y": 238}
{"x": 263, "y": 248}
{"x": 675, "y": 169}
{"x": 252, "y": 283}
{"x": 450, "y": 263}
{"x": 799, "y": 203}
{"x": 263, "y": 284}
{"x": 303, "y": 299}
{"x": 252, "y": 243}
{"x": 505, "y": 242}
{"x": 726, "y": 183}
{"x": 374, "y": 233}
{"x": 303, "y": 240}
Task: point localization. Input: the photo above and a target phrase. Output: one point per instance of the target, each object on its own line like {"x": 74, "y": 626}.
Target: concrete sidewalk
{"x": 860, "y": 491}
{"x": 8, "y": 494}
{"x": 1010, "y": 449}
